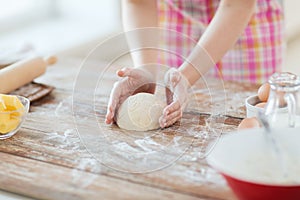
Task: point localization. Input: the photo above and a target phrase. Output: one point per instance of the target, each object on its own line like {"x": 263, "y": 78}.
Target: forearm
{"x": 227, "y": 25}
{"x": 138, "y": 14}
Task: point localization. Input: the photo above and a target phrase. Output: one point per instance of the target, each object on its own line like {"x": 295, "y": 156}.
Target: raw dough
{"x": 140, "y": 112}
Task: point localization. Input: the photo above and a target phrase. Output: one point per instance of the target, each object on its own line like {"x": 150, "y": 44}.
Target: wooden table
{"x": 61, "y": 154}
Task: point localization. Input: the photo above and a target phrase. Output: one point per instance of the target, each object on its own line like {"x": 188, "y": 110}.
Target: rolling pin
{"x": 20, "y": 73}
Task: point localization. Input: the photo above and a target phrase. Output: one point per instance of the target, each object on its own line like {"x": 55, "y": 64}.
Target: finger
{"x": 171, "y": 108}
{"x": 129, "y": 72}
{"x": 174, "y": 106}
{"x": 122, "y": 72}
{"x": 109, "y": 116}
{"x": 171, "y": 79}
{"x": 167, "y": 120}
{"x": 172, "y": 121}
{"x": 112, "y": 103}
{"x": 174, "y": 78}
{"x": 163, "y": 122}
{"x": 175, "y": 114}
{"x": 169, "y": 74}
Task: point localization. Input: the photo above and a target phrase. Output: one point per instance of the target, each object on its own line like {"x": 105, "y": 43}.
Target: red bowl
{"x": 243, "y": 160}
{"x": 252, "y": 191}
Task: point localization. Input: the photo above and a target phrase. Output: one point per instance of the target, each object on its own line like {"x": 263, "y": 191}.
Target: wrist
{"x": 196, "y": 64}
{"x": 189, "y": 73}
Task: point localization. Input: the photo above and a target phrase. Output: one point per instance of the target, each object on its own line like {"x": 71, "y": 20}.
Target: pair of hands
{"x": 136, "y": 80}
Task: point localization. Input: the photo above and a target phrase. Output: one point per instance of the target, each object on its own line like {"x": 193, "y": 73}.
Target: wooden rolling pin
{"x": 23, "y": 72}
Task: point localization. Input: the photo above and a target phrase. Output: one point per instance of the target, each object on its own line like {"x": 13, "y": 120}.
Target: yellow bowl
{"x": 9, "y": 127}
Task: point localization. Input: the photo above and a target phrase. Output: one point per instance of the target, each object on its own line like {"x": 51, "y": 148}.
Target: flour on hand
{"x": 140, "y": 112}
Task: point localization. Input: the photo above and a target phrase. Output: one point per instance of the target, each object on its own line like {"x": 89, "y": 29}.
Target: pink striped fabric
{"x": 256, "y": 55}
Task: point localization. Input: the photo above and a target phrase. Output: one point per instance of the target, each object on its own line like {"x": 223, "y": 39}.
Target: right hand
{"x": 134, "y": 80}
{"x": 177, "y": 97}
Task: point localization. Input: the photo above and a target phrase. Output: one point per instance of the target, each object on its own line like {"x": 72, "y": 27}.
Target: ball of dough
{"x": 140, "y": 112}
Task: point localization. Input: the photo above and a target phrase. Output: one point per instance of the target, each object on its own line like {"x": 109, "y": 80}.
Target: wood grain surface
{"x": 33, "y": 91}
{"x": 65, "y": 151}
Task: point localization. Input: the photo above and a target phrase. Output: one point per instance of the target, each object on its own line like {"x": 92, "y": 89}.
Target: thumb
{"x": 113, "y": 102}
{"x": 129, "y": 72}
{"x": 173, "y": 77}
{"x": 169, "y": 95}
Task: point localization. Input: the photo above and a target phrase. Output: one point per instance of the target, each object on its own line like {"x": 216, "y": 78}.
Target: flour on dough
{"x": 140, "y": 112}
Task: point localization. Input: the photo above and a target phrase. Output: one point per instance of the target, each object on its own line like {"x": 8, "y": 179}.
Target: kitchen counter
{"x": 60, "y": 153}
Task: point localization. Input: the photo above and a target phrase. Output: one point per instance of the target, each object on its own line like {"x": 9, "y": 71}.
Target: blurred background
{"x": 73, "y": 27}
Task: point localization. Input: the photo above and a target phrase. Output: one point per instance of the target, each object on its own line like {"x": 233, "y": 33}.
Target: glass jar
{"x": 283, "y": 105}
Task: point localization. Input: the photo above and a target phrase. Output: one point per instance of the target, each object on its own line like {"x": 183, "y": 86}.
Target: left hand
{"x": 177, "y": 96}
{"x": 134, "y": 80}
